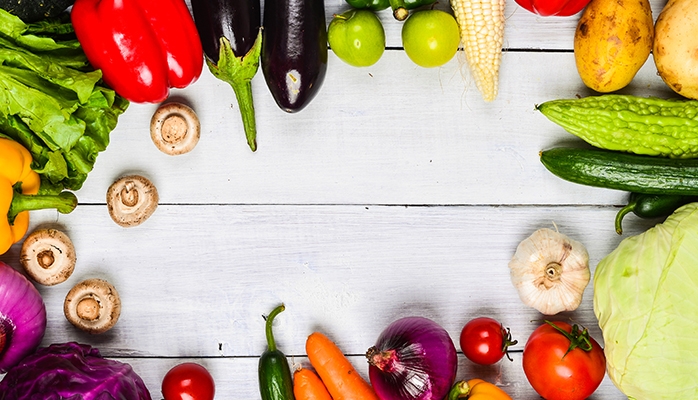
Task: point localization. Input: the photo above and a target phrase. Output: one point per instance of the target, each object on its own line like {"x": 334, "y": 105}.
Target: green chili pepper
{"x": 373, "y": 5}
{"x": 651, "y": 206}
{"x": 400, "y": 7}
{"x": 275, "y": 379}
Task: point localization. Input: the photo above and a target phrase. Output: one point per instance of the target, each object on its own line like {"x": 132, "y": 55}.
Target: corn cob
{"x": 481, "y": 24}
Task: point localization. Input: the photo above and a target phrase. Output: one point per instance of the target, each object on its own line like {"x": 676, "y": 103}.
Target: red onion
{"x": 414, "y": 359}
{"x": 22, "y": 317}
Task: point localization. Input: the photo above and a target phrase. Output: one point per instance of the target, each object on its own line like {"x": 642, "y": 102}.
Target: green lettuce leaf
{"x": 52, "y": 101}
{"x": 646, "y": 301}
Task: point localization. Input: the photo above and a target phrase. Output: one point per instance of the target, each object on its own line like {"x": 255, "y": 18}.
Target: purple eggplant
{"x": 231, "y": 36}
{"x": 294, "y": 51}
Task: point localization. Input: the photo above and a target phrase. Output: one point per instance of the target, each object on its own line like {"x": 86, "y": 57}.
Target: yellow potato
{"x": 676, "y": 46}
{"x": 612, "y": 42}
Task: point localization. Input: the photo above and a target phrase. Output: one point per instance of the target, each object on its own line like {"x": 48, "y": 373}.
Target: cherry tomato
{"x": 485, "y": 341}
{"x": 188, "y": 381}
{"x": 563, "y": 362}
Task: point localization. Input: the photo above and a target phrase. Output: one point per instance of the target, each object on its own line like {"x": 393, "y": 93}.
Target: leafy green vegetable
{"x": 645, "y": 300}
{"x": 52, "y": 101}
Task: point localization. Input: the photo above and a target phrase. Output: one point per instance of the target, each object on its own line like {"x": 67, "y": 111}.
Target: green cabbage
{"x": 646, "y": 301}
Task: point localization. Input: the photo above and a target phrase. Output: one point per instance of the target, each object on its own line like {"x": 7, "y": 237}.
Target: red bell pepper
{"x": 560, "y": 8}
{"x": 143, "y": 47}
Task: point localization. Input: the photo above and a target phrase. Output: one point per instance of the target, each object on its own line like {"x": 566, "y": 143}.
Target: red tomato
{"x": 560, "y": 8}
{"x": 188, "y": 381}
{"x": 485, "y": 341}
{"x": 558, "y": 373}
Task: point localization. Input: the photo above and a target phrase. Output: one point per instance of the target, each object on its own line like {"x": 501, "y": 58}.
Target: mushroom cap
{"x": 93, "y": 306}
{"x": 48, "y": 256}
{"x": 175, "y": 128}
{"x": 131, "y": 200}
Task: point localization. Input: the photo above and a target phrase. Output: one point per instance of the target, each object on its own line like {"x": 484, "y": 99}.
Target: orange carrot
{"x": 308, "y": 386}
{"x": 335, "y": 370}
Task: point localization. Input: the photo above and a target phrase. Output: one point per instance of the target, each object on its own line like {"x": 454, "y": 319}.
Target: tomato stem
{"x": 578, "y": 338}
{"x": 507, "y": 342}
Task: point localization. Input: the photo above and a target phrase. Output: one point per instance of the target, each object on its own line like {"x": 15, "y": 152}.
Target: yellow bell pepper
{"x": 477, "y": 389}
{"x": 19, "y": 185}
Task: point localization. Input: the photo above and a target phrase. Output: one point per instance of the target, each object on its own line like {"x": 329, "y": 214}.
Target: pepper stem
{"x": 271, "y": 344}
{"x": 238, "y": 73}
{"x": 460, "y": 390}
{"x": 400, "y": 12}
{"x": 64, "y": 202}
{"x": 623, "y": 211}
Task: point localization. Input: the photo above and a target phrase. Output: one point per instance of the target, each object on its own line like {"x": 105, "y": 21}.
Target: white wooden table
{"x": 396, "y": 192}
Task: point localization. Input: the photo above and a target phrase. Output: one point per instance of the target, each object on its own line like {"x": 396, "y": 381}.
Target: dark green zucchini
{"x": 35, "y": 10}
{"x": 623, "y": 171}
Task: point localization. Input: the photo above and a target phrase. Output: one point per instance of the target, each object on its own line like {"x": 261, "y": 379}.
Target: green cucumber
{"x": 641, "y": 125}
{"x": 623, "y": 171}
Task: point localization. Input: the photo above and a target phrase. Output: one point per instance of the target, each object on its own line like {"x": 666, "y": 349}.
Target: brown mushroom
{"x": 93, "y": 306}
{"x": 175, "y": 128}
{"x": 48, "y": 256}
{"x": 131, "y": 200}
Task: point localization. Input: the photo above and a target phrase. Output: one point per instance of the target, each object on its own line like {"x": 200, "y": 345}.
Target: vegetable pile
{"x": 52, "y": 101}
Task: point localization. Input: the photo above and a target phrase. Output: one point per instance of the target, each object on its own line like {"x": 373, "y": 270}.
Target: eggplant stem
{"x": 238, "y": 73}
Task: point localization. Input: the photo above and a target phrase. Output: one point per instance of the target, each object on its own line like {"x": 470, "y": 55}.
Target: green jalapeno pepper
{"x": 275, "y": 379}
{"x": 651, "y": 206}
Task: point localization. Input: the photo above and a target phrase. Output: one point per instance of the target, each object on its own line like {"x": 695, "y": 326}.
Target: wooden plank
{"x": 427, "y": 138}
{"x": 196, "y": 280}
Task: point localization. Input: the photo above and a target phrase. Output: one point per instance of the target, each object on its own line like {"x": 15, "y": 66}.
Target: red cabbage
{"x": 71, "y": 371}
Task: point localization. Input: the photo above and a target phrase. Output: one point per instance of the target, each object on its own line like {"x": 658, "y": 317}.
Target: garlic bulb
{"x": 550, "y": 271}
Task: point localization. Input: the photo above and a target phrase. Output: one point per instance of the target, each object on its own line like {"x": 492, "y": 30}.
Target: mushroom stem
{"x": 45, "y": 259}
{"x": 65, "y": 202}
{"x": 88, "y": 309}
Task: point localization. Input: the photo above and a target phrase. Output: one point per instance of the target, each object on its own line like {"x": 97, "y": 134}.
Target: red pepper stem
{"x": 238, "y": 72}
{"x": 65, "y": 202}
{"x": 460, "y": 390}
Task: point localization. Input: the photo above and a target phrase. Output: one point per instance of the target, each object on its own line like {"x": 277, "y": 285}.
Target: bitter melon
{"x": 641, "y": 125}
